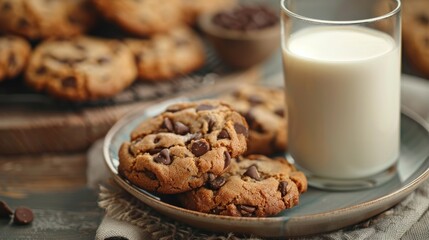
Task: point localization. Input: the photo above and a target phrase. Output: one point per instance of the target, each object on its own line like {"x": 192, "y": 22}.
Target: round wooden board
{"x": 29, "y": 129}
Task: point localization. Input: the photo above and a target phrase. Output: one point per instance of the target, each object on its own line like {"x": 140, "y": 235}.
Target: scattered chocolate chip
{"x": 200, "y": 147}
{"x": 5, "y": 211}
{"x": 103, "y": 60}
{"x": 204, "y": 107}
{"x": 168, "y": 125}
{"x": 6, "y": 6}
{"x": 223, "y": 134}
{"x": 252, "y": 172}
{"x": 116, "y": 238}
{"x": 69, "y": 82}
{"x": 241, "y": 129}
{"x": 150, "y": 174}
{"x": 180, "y": 128}
{"x": 255, "y": 100}
{"x": 11, "y": 60}
{"x": 211, "y": 125}
{"x": 227, "y": 159}
{"x": 163, "y": 157}
{"x": 280, "y": 112}
{"x": 216, "y": 210}
{"x": 423, "y": 19}
{"x": 41, "y": 70}
{"x": 23, "y": 23}
{"x": 155, "y": 151}
{"x": 156, "y": 140}
{"x": 250, "y": 118}
{"x": 283, "y": 188}
{"x": 216, "y": 183}
{"x": 246, "y": 210}
{"x": 23, "y": 216}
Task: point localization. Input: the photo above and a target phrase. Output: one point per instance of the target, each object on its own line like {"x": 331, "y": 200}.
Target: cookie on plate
{"x": 415, "y": 34}
{"x": 37, "y": 19}
{"x": 264, "y": 110}
{"x": 168, "y": 55}
{"x": 254, "y": 186}
{"x": 14, "y": 53}
{"x": 177, "y": 150}
{"x": 142, "y": 17}
{"x": 194, "y": 8}
{"x": 81, "y": 68}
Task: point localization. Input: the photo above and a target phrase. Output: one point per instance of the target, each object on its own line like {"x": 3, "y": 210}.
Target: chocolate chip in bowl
{"x": 243, "y": 36}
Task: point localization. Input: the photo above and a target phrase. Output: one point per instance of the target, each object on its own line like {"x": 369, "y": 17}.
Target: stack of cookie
{"x": 194, "y": 151}
{"x": 71, "y": 63}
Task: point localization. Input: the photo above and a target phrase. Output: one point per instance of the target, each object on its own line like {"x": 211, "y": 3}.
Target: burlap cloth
{"x": 129, "y": 218}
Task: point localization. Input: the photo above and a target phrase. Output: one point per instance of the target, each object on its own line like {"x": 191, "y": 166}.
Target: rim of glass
{"x": 360, "y": 21}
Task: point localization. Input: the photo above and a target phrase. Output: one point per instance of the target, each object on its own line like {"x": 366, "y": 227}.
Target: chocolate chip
{"x": 240, "y": 129}
{"x": 41, "y": 70}
{"x": 211, "y": 125}
{"x": 227, "y": 159}
{"x": 116, "y": 238}
{"x": 217, "y": 210}
{"x": 423, "y": 19}
{"x": 12, "y": 59}
{"x": 223, "y": 134}
{"x": 180, "y": 128}
{"x": 5, "y": 211}
{"x": 69, "y": 82}
{"x": 204, "y": 107}
{"x": 246, "y": 210}
{"x": 155, "y": 151}
{"x": 283, "y": 188}
{"x": 216, "y": 183}
{"x": 280, "y": 112}
{"x": 6, "y": 6}
{"x": 200, "y": 147}
{"x": 23, "y": 23}
{"x": 23, "y": 216}
{"x": 252, "y": 172}
{"x": 156, "y": 140}
{"x": 163, "y": 157}
{"x": 150, "y": 174}
{"x": 168, "y": 125}
{"x": 103, "y": 60}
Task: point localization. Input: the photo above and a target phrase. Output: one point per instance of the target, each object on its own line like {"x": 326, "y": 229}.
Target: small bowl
{"x": 240, "y": 49}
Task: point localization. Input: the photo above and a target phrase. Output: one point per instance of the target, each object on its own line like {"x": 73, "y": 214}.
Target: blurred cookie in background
{"x": 14, "y": 54}
{"x": 168, "y": 55}
{"x": 415, "y": 34}
{"x": 40, "y": 19}
{"x": 81, "y": 68}
{"x": 142, "y": 17}
{"x": 264, "y": 110}
{"x": 194, "y": 8}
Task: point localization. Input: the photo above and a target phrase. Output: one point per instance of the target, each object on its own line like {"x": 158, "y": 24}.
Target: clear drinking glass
{"x": 342, "y": 61}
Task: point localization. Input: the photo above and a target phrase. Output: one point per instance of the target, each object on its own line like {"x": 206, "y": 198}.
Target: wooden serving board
{"x": 28, "y": 127}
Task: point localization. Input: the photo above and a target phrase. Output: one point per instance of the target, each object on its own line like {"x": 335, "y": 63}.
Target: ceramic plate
{"x": 319, "y": 211}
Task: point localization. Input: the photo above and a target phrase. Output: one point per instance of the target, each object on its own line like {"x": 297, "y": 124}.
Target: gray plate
{"x": 319, "y": 211}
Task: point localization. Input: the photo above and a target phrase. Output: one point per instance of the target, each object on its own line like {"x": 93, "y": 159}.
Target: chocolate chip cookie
{"x": 181, "y": 148}
{"x": 14, "y": 53}
{"x": 415, "y": 34}
{"x": 168, "y": 55}
{"x": 142, "y": 17}
{"x": 264, "y": 110}
{"x": 81, "y": 68}
{"x": 254, "y": 186}
{"x": 38, "y": 19}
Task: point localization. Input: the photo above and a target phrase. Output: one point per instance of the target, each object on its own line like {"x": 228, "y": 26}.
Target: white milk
{"x": 343, "y": 98}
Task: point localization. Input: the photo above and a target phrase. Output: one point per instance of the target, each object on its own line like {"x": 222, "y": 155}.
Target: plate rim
{"x": 390, "y": 198}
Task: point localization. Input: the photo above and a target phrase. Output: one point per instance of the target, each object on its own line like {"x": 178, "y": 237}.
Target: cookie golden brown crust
{"x": 168, "y": 55}
{"x": 142, "y": 17}
{"x": 253, "y": 186}
{"x": 264, "y": 110}
{"x": 176, "y": 151}
{"x": 81, "y": 68}
{"x": 14, "y": 54}
{"x": 39, "y": 19}
{"x": 415, "y": 34}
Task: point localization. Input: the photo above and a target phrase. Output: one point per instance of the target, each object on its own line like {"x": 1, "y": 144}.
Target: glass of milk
{"x": 342, "y": 61}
